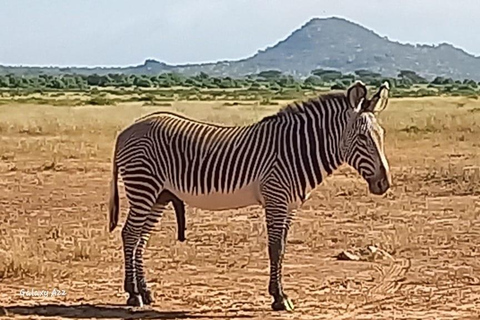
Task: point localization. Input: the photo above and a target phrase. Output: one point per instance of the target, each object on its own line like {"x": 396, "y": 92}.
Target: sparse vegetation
{"x": 266, "y": 85}
{"x": 53, "y": 220}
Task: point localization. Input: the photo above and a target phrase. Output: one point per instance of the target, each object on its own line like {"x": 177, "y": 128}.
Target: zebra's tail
{"x": 113, "y": 204}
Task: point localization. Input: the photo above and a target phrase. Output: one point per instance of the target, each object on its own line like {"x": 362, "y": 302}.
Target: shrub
{"x": 142, "y": 82}
{"x": 338, "y": 86}
{"x": 99, "y": 101}
{"x": 313, "y": 81}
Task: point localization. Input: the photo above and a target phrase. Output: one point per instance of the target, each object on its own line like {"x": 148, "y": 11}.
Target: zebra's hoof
{"x": 147, "y": 297}
{"x": 285, "y": 304}
{"x": 135, "y": 300}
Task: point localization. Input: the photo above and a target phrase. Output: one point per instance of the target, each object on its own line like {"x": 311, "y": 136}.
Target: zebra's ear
{"x": 356, "y": 95}
{"x": 379, "y": 100}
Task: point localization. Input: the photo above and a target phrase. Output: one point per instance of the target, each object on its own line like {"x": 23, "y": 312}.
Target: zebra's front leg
{"x": 278, "y": 223}
{"x": 152, "y": 220}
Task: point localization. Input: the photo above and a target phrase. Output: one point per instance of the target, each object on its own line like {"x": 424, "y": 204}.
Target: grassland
{"x": 54, "y": 174}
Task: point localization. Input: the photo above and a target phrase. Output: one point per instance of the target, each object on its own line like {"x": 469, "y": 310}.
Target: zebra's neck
{"x": 310, "y": 134}
{"x": 330, "y": 116}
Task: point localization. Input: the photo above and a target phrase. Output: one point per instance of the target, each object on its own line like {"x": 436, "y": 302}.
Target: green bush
{"x": 99, "y": 101}
{"x": 314, "y": 81}
{"x": 142, "y": 82}
{"x": 270, "y": 74}
{"x": 426, "y": 93}
{"x": 327, "y": 75}
{"x": 254, "y": 86}
{"x": 338, "y": 86}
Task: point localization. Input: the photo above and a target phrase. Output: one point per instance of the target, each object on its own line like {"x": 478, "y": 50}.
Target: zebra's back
{"x": 208, "y": 166}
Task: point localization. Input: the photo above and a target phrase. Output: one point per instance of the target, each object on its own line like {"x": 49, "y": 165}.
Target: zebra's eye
{"x": 362, "y": 137}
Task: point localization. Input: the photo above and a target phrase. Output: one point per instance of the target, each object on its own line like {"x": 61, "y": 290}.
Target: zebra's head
{"x": 363, "y": 138}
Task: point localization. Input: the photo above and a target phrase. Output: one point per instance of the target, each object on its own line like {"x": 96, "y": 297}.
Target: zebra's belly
{"x": 246, "y": 196}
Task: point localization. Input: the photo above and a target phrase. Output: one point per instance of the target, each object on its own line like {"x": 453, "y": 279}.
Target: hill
{"x": 321, "y": 43}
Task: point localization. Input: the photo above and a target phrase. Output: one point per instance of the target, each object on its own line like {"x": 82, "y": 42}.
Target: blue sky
{"x": 112, "y": 33}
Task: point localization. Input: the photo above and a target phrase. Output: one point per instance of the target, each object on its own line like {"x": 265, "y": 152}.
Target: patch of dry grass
{"x": 54, "y": 173}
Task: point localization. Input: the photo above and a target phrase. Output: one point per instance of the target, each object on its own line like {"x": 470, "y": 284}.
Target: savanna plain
{"x": 55, "y": 164}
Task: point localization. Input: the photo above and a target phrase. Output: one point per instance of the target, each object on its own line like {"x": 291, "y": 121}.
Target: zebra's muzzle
{"x": 378, "y": 186}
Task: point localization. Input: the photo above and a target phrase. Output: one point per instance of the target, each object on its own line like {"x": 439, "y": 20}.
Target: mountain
{"x": 339, "y": 44}
{"x": 330, "y": 43}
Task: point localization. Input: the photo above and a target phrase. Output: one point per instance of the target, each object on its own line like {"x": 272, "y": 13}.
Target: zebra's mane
{"x": 294, "y": 108}
{"x": 299, "y": 107}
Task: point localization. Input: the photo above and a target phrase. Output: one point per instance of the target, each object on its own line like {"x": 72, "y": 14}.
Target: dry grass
{"x": 54, "y": 173}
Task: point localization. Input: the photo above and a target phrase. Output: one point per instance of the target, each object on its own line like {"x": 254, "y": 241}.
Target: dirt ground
{"x": 54, "y": 175}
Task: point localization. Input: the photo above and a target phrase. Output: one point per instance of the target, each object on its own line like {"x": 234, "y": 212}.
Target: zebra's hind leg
{"x": 131, "y": 234}
{"x": 278, "y": 223}
{"x": 152, "y": 220}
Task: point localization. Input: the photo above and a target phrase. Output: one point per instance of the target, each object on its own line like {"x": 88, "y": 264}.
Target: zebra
{"x": 275, "y": 163}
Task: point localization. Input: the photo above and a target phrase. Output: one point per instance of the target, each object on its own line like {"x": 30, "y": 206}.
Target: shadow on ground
{"x": 83, "y": 311}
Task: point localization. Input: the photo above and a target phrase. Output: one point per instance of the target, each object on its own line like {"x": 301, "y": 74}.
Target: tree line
{"x": 270, "y": 79}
